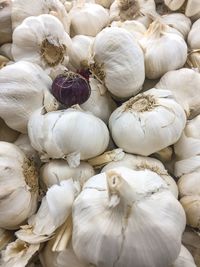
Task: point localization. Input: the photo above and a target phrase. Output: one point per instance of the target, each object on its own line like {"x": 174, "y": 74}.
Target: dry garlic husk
{"x": 179, "y": 22}
{"x": 56, "y": 171}
{"x": 87, "y": 18}
{"x": 5, "y": 238}
{"x": 21, "y": 9}
{"x": 5, "y": 22}
{"x": 118, "y": 62}
{"x": 18, "y": 254}
{"x": 71, "y": 134}
{"x": 147, "y": 122}
{"x": 138, "y": 163}
{"x": 136, "y": 28}
{"x": 100, "y": 102}
{"x": 184, "y": 259}
{"x": 53, "y": 212}
{"x": 46, "y": 44}
{"x": 158, "y": 55}
{"x": 18, "y": 184}
{"x": 5, "y": 50}
{"x": 174, "y": 4}
{"x": 24, "y": 87}
{"x": 193, "y": 36}
{"x": 126, "y": 205}
{"x": 184, "y": 84}
{"x": 7, "y": 134}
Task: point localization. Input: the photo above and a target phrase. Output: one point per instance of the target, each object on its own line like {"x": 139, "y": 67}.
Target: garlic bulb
{"x": 147, "y": 122}
{"x": 18, "y": 184}
{"x": 100, "y": 102}
{"x": 134, "y": 211}
{"x": 87, "y": 18}
{"x": 21, "y": 9}
{"x": 5, "y": 238}
{"x": 138, "y": 163}
{"x": 192, "y": 9}
{"x": 118, "y": 62}
{"x": 184, "y": 259}
{"x": 174, "y": 4}
{"x": 193, "y": 36}
{"x": 158, "y": 55}
{"x": 54, "y": 210}
{"x": 70, "y": 134}
{"x": 5, "y": 50}
{"x": 56, "y": 171}
{"x": 7, "y": 134}
{"x": 27, "y": 82}
{"x": 184, "y": 84}
{"x": 5, "y": 21}
{"x": 46, "y": 44}
{"x": 18, "y": 253}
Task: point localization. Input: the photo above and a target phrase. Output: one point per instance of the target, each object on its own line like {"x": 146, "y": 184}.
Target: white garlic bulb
{"x": 135, "y": 214}
{"x": 46, "y": 44}
{"x": 5, "y": 21}
{"x": 71, "y": 134}
{"x": 184, "y": 84}
{"x": 158, "y": 55}
{"x": 192, "y": 9}
{"x": 193, "y": 36}
{"x": 23, "y": 92}
{"x": 184, "y": 259}
{"x": 7, "y": 134}
{"x": 21, "y": 9}
{"x": 56, "y": 171}
{"x": 100, "y": 102}
{"x": 18, "y": 184}
{"x": 147, "y": 122}
{"x": 87, "y": 18}
{"x": 118, "y": 62}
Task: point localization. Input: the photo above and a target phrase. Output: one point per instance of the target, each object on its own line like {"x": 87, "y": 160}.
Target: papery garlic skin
{"x": 56, "y": 171}
{"x": 46, "y": 44}
{"x": 100, "y": 102}
{"x": 147, "y": 122}
{"x": 5, "y": 21}
{"x": 118, "y": 62}
{"x": 19, "y": 184}
{"x": 7, "y": 134}
{"x": 184, "y": 84}
{"x": 158, "y": 55}
{"x": 87, "y": 19}
{"x": 184, "y": 259}
{"x": 23, "y": 92}
{"x": 127, "y": 205}
{"x": 71, "y": 134}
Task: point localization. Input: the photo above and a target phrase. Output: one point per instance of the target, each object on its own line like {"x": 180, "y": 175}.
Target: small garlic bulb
{"x": 87, "y": 18}
{"x": 100, "y": 102}
{"x": 147, "y": 122}
{"x": 56, "y": 171}
{"x": 5, "y": 22}
{"x": 23, "y": 92}
{"x": 7, "y": 134}
{"x": 18, "y": 184}
{"x": 70, "y": 134}
{"x": 184, "y": 84}
{"x": 158, "y": 55}
{"x": 184, "y": 259}
{"x": 126, "y": 205}
{"x": 118, "y": 62}
{"x": 46, "y": 44}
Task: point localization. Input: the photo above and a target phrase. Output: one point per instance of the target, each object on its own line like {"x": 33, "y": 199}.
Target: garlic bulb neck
{"x": 97, "y": 71}
{"x": 30, "y": 174}
{"x": 52, "y": 53}
{"x": 141, "y": 103}
{"x": 156, "y": 29}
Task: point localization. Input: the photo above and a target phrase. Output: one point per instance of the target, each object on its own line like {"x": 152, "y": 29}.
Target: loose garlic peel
{"x": 133, "y": 204}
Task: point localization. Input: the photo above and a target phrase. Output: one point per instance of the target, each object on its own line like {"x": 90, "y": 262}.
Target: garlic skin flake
{"x": 23, "y": 92}
{"x": 69, "y": 134}
{"x": 46, "y": 44}
{"x": 18, "y": 184}
{"x": 184, "y": 259}
{"x": 118, "y": 62}
{"x": 126, "y": 205}
{"x": 147, "y": 122}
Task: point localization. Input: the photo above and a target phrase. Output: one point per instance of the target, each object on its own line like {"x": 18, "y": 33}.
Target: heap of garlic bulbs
{"x": 99, "y": 133}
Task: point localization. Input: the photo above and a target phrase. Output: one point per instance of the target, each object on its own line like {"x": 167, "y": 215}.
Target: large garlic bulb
{"x": 7, "y": 134}
{"x": 100, "y": 102}
{"x": 118, "y": 61}
{"x": 46, "y": 44}
{"x": 71, "y": 134}
{"x": 147, "y": 122}
{"x": 158, "y": 55}
{"x": 184, "y": 84}
{"x": 56, "y": 171}
{"x": 184, "y": 259}
{"x": 22, "y": 9}
{"x": 5, "y": 21}
{"x": 24, "y": 87}
{"x": 18, "y": 185}
{"x": 138, "y": 220}
{"x": 87, "y": 18}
